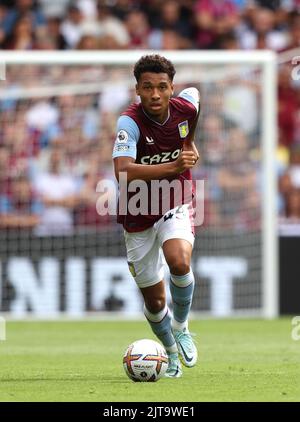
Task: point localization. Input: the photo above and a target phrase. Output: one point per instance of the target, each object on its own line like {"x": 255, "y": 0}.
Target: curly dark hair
{"x": 154, "y": 63}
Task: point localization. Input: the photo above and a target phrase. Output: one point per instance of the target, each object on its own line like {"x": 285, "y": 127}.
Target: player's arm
{"x": 193, "y": 96}
{"x": 134, "y": 171}
{"x": 124, "y": 155}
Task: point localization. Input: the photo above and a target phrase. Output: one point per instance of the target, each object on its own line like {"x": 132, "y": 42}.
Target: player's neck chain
{"x": 160, "y": 124}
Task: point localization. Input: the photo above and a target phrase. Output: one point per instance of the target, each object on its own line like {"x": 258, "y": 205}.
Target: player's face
{"x": 155, "y": 91}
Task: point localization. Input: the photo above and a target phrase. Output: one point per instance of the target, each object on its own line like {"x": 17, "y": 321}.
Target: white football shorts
{"x": 144, "y": 249}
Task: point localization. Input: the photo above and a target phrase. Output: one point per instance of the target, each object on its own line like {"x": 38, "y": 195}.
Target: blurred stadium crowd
{"x": 148, "y": 24}
{"x": 54, "y": 149}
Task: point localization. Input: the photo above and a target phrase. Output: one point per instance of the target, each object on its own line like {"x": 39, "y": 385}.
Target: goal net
{"x": 58, "y": 117}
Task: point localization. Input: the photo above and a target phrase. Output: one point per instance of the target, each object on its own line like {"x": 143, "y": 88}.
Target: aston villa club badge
{"x": 183, "y": 129}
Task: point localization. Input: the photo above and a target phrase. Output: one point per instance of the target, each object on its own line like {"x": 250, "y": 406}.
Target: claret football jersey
{"x": 149, "y": 142}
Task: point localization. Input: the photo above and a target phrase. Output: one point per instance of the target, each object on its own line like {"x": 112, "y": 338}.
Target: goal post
{"x": 230, "y": 239}
{"x": 269, "y": 207}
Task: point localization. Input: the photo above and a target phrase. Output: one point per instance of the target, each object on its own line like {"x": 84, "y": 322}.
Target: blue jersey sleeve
{"x": 192, "y": 95}
{"x": 127, "y": 138}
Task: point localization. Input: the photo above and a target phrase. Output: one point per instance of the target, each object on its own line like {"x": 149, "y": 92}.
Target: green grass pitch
{"x": 239, "y": 360}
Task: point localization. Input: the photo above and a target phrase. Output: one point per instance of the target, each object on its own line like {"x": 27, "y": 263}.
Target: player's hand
{"x": 185, "y": 160}
{"x": 190, "y": 146}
